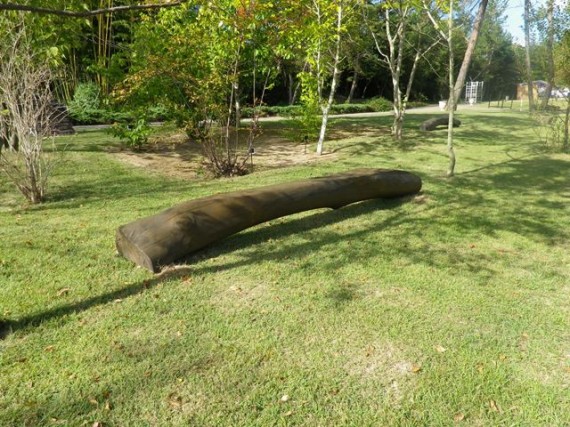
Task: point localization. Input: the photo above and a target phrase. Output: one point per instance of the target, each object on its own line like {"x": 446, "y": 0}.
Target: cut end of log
{"x": 132, "y": 252}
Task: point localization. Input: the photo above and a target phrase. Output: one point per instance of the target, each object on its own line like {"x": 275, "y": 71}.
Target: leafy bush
{"x": 274, "y": 110}
{"x": 379, "y": 104}
{"x": 85, "y": 107}
{"x": 351, "y": 108}
{"x": 158, "y": 112}
{"x": 134, "y": 135}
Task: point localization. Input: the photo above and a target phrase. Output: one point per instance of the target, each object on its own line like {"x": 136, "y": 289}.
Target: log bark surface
{"x": 158, "y": 240}
{"x": 433, "y": 123}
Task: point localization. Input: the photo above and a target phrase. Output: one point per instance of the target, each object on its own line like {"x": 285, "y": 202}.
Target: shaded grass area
{"x": 451, "y": 306}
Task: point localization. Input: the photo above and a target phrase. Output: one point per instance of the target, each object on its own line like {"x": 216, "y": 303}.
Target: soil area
{"x": 176, "y": 156}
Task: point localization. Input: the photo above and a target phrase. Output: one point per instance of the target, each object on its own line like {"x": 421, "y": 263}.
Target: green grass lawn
{"x": 451, "y": 307}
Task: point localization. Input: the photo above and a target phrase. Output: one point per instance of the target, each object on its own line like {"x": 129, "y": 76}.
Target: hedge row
{"x": 371, "y": 106}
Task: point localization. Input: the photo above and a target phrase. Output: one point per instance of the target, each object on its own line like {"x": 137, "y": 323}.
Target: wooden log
{"x": 158, "y": 240}
{"x": 433, "y": 123}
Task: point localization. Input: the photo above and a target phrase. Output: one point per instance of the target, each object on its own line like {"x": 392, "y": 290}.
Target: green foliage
{"x": 309, "y": 120}
{"x": 368, "y": 106}
{"x": 85, "y": 107}
{"x": 379, "y": 104}
{"x": 351, "y": 108}
{"x": 550, "y": 124}
{"x": 134, "y": 134}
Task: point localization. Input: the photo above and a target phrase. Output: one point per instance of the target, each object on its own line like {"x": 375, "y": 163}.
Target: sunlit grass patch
{"x": 449, "y": 306}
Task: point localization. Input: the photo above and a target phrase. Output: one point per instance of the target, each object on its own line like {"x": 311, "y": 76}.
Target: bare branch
{"x": 87, "y": 13}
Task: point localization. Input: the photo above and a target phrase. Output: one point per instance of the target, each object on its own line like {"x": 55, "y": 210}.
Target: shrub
{"x": 273, "y": 110}
{"x": 135, "y": 135}
{"x": 351, "y": 108}
{"x": 85, "y": 107}
{"x": 379, "y": 104}
{"x": 158, "y": 112}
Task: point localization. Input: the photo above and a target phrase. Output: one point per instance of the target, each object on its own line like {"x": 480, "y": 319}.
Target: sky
{"x": 514, "y": 21}
{"x": 515, "y": 11}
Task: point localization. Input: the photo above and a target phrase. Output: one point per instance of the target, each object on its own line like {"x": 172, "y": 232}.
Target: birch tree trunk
{"x": 335, "y": 77}
{"x": 527, "y": 51}
{"x": 396, "y": 57}
{"x": 565, "y": 142}
{"x": 549, "y": 52}
{"x": 450, "y": 151}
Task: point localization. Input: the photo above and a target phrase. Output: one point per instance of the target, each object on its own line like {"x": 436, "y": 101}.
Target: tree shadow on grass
{"x": 254, "y": 237}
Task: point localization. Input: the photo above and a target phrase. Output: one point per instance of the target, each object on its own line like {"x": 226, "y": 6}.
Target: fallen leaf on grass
{"x": 284, "y": 398}
{"x": 49, "y": 348}
{"x": 93, "y": 401}
{"x": 493, "y": 405}
{"x": 440, "y": 349}
{"x": 458, "y": 417}
{"x": 416, "y": 368}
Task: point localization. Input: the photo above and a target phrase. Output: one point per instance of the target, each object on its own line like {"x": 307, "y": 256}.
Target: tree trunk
{"x": 451, "y": 102}
{"x": 469, "y": 53}
{"x": 334, "y": 83}
{"x": 290, "y": 82}
{"x": 527, "y": 51}
{"x": 549, "y": 52}
{"x": 398, "y": 125}
{"x": 565, "y": 142}
{"x": 158, "y": 240}
{"x": 323, "y": 131}
{"x": 353, "y": 86}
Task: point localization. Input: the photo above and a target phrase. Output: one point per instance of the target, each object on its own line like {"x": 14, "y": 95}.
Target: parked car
{"x": 560, "y": 93}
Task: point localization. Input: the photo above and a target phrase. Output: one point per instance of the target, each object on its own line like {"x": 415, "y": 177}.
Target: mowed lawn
{"x": 448, "y": 308}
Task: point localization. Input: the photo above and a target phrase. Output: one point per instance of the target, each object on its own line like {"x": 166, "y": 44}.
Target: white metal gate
{"x": 473, "y": 92}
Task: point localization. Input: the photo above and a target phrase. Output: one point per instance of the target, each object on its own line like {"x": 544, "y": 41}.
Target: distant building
{"x": 539, "y": 89}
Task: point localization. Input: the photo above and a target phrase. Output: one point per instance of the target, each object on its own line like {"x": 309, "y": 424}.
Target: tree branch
{"x": 87, "y": 13}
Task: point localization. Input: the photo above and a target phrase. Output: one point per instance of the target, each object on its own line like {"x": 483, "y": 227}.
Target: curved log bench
{"x": 160, "y": 239}
{"x": 433, "y": 123}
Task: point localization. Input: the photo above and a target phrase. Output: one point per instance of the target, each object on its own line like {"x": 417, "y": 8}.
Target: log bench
{"x": 161, "y": 239}
{"x": 435, "y": 122}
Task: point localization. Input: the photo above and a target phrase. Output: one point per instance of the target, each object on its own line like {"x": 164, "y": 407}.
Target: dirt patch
{"x": 176, "y": 156}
